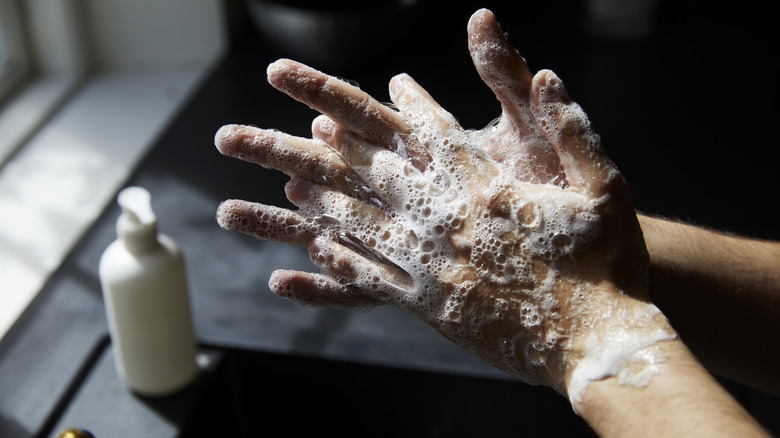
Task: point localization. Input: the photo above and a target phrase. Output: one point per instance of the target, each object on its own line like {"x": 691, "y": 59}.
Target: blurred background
{"x": 99, "y": 94}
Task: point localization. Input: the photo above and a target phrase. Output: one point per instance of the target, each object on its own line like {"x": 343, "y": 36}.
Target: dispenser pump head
{"x": 137, "y": 224}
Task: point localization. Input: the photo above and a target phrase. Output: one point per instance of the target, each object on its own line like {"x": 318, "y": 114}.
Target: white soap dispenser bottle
{"x": 142, "y": 274}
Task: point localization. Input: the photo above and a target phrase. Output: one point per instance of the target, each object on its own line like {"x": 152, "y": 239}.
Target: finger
{"x": 325, "y": 129}
{"x": 348, "y": 105}
{"x": 454, "y": 155}
{"x": 318, "y": 290}
{"x": 292, "y": 155}
{"x": 567, "y": 127}
{"x": 267, "y": 222}
{"x": 436, "y": 129}
{"x": 502, "y": 68}
{"x": 361, "y": 229}
{"x": 343, "y": 141}
{"x": 364, "y": 229}
{"x": 516, "y": 138}
{"x": 332, "y": 207}
{"x": 385, "y": 176}
{"x": 384, "y": 282}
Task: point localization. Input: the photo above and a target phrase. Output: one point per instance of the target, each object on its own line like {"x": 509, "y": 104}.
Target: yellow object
{"x": 75, "y": 433}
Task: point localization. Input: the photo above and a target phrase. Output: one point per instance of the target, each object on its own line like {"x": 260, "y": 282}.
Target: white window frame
{"x": 14, "y": 66}
{"x": 49, "y": 59}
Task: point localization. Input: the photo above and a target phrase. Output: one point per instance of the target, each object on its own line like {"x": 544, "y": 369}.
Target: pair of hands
{"x": 518, "y": 241}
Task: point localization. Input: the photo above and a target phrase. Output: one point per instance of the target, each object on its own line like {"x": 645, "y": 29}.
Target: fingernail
{"x": 299, "y": 189}
{"x": 398, "y": 82}
{"x": 274, "y": 69}
{"x": 553, "y": 85}
{"x": 323, "y": 127}
{"x": 229, "y": 217}
{"x": 224, "y": 135}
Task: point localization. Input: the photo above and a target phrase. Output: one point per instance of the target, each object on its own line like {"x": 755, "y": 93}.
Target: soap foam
{"x": 495, "y": 243}
{"x": 476, "y": 270}
{"x": 626, "y": 352}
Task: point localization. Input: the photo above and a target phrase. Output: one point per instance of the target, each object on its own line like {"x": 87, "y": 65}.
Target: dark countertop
{"x": 693, "y": 147}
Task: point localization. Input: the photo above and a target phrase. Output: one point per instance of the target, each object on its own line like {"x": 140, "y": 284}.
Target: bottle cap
{"x": 137, "y": 224}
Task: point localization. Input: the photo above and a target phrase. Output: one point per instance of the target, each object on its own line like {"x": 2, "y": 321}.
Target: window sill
{"x": 30, "y": 109}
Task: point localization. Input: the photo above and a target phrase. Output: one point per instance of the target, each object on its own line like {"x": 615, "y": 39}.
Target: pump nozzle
{"x": 137, "y": 225}
{"x": 136, "y": 203}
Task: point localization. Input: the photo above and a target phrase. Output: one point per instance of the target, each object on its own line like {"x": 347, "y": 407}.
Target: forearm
{"x": 692, "y": 251}
{"x": 681, "y": 400}
{"x": 722, "y": 295}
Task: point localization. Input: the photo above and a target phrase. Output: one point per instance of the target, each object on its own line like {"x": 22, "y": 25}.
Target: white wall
{"x": 142, "y": 34}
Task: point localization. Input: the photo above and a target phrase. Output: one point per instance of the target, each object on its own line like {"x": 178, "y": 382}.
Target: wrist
{"x": 614, "y": 337}
{"x": 682, "y": 399}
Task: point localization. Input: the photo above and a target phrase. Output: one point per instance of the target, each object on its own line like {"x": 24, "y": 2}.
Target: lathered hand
{"x": 518, "y": 242}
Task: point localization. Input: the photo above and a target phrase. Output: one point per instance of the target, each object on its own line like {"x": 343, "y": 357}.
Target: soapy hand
{"x": 518, "y": 242}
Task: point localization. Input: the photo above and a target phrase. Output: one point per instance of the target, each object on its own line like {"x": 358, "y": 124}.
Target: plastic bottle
{"x": 142, "y": 274}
